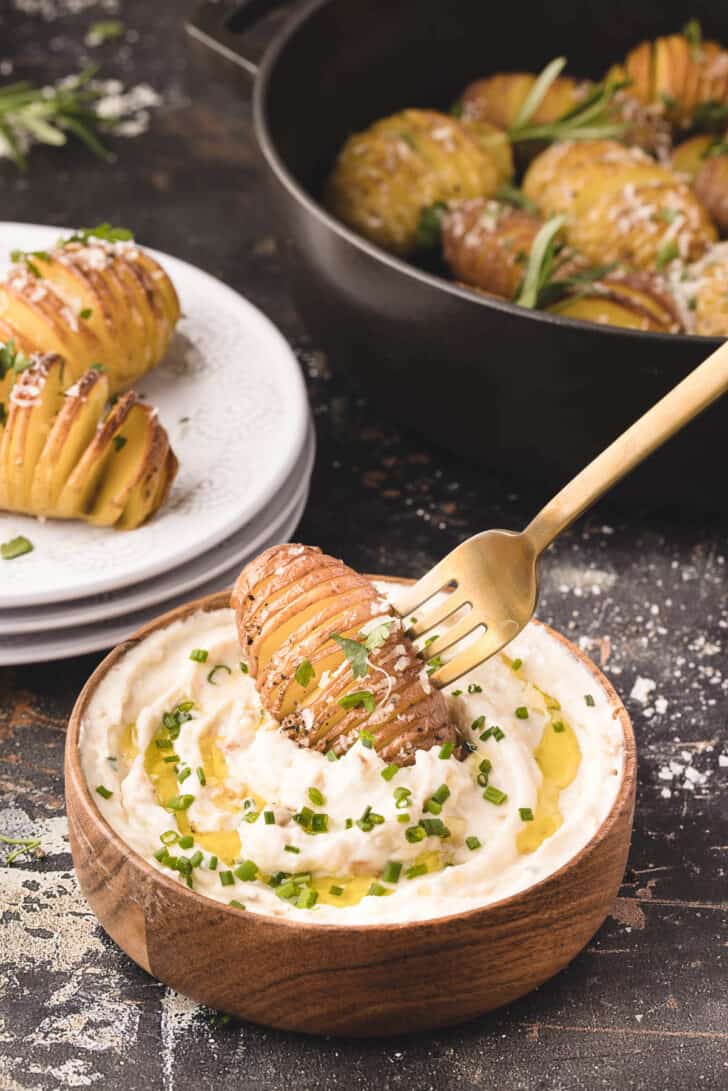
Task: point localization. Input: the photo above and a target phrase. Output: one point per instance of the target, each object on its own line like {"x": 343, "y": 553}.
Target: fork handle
{"x": 684, "y": 402}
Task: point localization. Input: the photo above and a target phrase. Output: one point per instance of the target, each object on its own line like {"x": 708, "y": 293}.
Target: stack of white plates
{"x": 231, "y": 396}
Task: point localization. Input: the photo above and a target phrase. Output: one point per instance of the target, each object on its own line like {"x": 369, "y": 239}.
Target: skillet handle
{"x": 217, "y": 27}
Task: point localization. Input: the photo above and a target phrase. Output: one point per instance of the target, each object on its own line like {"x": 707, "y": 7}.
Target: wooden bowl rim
{"x": 221, "y": 600}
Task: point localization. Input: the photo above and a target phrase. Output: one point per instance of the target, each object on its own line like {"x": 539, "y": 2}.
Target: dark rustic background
{"x": 645, "y": 1005}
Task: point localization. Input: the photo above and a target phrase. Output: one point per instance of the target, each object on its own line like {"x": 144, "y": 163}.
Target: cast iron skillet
{"x": 533, "y": 394}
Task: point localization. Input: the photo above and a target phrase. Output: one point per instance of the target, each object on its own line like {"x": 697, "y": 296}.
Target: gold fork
{"x": 491, "y": 580}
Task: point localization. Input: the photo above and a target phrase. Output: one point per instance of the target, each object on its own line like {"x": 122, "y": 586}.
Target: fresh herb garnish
{"x": 667, "y": 253}
{"x": 558, "y": 727}
{"x": 494, "y": 795}
{"x": 103, "y": 791}
{"x": 106, "y": 232}
{"x": 512, "y": 195}
{"x": 355, "y": 653}
{"x": 446, "y": 750}
{"x": 360, "y": 698}
{"x": 11, "y": 358}
{"x": 473, "y": 843}
{"x": 693, "y": 34}
{"x": 522, "y": 712}
{"x": 16, "y": 547}
{"x": 119, "y": 442}
{"x": 218, "y": 667}
{"x": 429, "y": 226}
{"x": 588, "y": 120}
{"x": 179, "y": 803}
{"x": 23, "y": 846}
{"x": 389, "y": 771}
{"x": 317, "y": 798}
{"x": 304, "y": 673}
{"x": 105, "y": 30}
{"x": 540, "y": 262}
{"x": 589, "y": 700}
{"x": 199, "y": 655}
{"x": 244, "y": 669}
{"x": 526, "y": 814}
{"x": 392, "y": 872}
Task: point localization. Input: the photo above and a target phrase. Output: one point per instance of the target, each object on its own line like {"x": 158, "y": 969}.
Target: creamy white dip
{"x": 557, "y": 756}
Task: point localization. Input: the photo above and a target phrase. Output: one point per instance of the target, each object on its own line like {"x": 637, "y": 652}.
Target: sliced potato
{"x": 498, "y": 99}
{"x": 139, "y": 448}
{"x": 72, "y": 431}
{"x": 290, "y": 603}
{"x": 79, "y": 492}
{"x": 34, "y": 402}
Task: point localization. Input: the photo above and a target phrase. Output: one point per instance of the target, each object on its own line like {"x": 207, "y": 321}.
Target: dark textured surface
{"x": 645, "y": 1005}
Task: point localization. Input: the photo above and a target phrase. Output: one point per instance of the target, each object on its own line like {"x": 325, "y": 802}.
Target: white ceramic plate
{"x": 177, "y": 581}
{"x": 231, "y": 396}
{"x": 63, "y": 644}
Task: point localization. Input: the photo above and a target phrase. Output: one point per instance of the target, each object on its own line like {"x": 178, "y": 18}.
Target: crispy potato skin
{"x": 61, "y": 459}
{"x": 636, "y": 301}
{"x": 288, "y": 603}
{"x": 486, "y": 244}
{"x": 92, "y": 303}
{"x": 676, "y": 76}
{"x": 620, "y": 205}
{"x": 498, "y": 99}
{"x": 709, "y": 293}
{"x": 385, "y": 176}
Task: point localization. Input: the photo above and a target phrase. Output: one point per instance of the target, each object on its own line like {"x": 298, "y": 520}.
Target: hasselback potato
{"x": 633, "y": 300}
{"x": 91, "y": 301}
{"x": 499, "y": 99}
{"x": 330, "y": 659}
{"x": 619, "y": 205}
{"x": 703, "y": 290}
{"x": 385, "y": 176}
{"x": 60, "y": 457}
{"x": 681, "y": 74}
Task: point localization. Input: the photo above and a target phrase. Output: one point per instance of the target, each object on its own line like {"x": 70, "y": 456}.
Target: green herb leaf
{"x": 378, "y": 636}
{"x": 540, "y": 262}
{"x": 355, "y": 653}
{"x": 428, "y": 232}
{"x": 494, "y": 795}
{"x": 667, "y": 253}
{"x": 304, "y": 673}
{"x": 526, "y": 814}
{"x": 119, "y": 442}
{"x": 512, "y": 195}
{"x": 361, "y": 698}
{"x": 199, "y": 655}
{"x": 105, "y": 30}
{"x": 711, "y": 115}
{"x": 16, "y": 547}
{"x": 473, "y": 843}
{"x": 317, "y": 798}
{"x": 538, "y": 92}
{"x": 106, "y": 232}
{"x": 104, "y": 792}
{"x": 179, "y": 803}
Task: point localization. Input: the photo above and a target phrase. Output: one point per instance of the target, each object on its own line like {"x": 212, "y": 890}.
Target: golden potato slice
{"x": 687, "y": 158}
{"x": 139, "y": 448}
{"x": 150, "y": 491}
{"x": 711, "y": 187}
{"x": 385, "y": 176}
{"x": 34, "y": 401}
{"x": 291, "y": 603}
{"x": 635, "y": 301}
{"x": 705, "y": 292}
{"x": 487, "y": 244}
{"x": 72, "y": 431}
{"x": 556, "y": 176}
{"x": 78, "y": 494}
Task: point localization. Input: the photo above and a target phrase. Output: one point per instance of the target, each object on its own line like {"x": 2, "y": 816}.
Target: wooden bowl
{"x": 376, "y": 979}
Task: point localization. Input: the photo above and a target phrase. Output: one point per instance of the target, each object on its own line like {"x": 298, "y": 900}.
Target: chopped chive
{"x": 307, "y": 898}
{"x": 252, "y": 817}
{"x": 366, "y": 739}
{"x": 442, "y": 794}
{"x": 377, "y": 890}
{"x": 196, "y": 859}
{"x": 244, "y": 667}
{"x": 349, "y": 823}
{"x": 247, "y": 871}
{"x": 473, "y": 843}
{"x": 392, "y": 872}
{"x": 415, "y": 834}
{"x": 526, "y": 814}
{"x": 522, "y": 712}
{"x": 475, "y": 688}
{"x": 170, "y": 759}
{"x": 360, "y": 698}
{"x": 404, "y": 817}
{"x": 16, "y": 547}
{"x": 320, "y": 823}
{"x": 434, "y": 827}
{"x": 494, "y": 795}
{"x": 169, "y": 837}
{"x": 291, "y": 848}
{"x": 316, "y": 797}
{"x": 287, "y": 890}
{"x": 161, "y": 855}
{"x": 589, "y": 700}
{"x": 331, "y": 755}
{"x": 446, "y": 750}
{"x": 558, "y": 727}
{"x": 402, "y": 798}
{"x": 390, "y": 771}
{"x": 516, "y": 664}
{"x": 486, "y": 765}
{"x": 183, "y": 774}
{"x": 456, "y": 693}
{"x": 416, "y": 870}
{"x": 236, "y": 904}
{"x": 337, "y": 891}
{"x": 201, "y": 775}
{"x": 432, "y": 806}
{"x": 103, "y": 791}
{"x": 212, "y": 863}
{"x": 199, "y": 655}
{"x": 163, "y": 744}
{"x": 227, "y": 878}
{"x": 477, "y": 724}
{"x": 179, "y": 803}
{"x": 215, "y": 669}
{"x": 187, "y": 841}
{"x": 269, "y": 818}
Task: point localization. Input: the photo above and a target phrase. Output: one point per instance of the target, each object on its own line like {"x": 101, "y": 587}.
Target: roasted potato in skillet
{"x": 499, "y": 99}
{"x": 634, "y": 300}
{"x": 60, "y": 457}
{"x": 330, "y": 659}
{"x": 385, "y": 176}
{"x": 92, "y": 302}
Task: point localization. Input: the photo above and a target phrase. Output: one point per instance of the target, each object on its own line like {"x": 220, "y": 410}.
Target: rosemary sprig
{"x": 46, "y": 115}
{"x": 588, "y": 120}
{"x": 24, "y": 847}
{"x": 540, "y": 263}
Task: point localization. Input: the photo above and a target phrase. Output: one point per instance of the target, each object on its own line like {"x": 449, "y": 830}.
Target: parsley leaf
{"x": 361, "y": 698}
{"x": 304, "y": 673}
{"x": 356, "y": 654}
{"x": 378, "y": 636}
